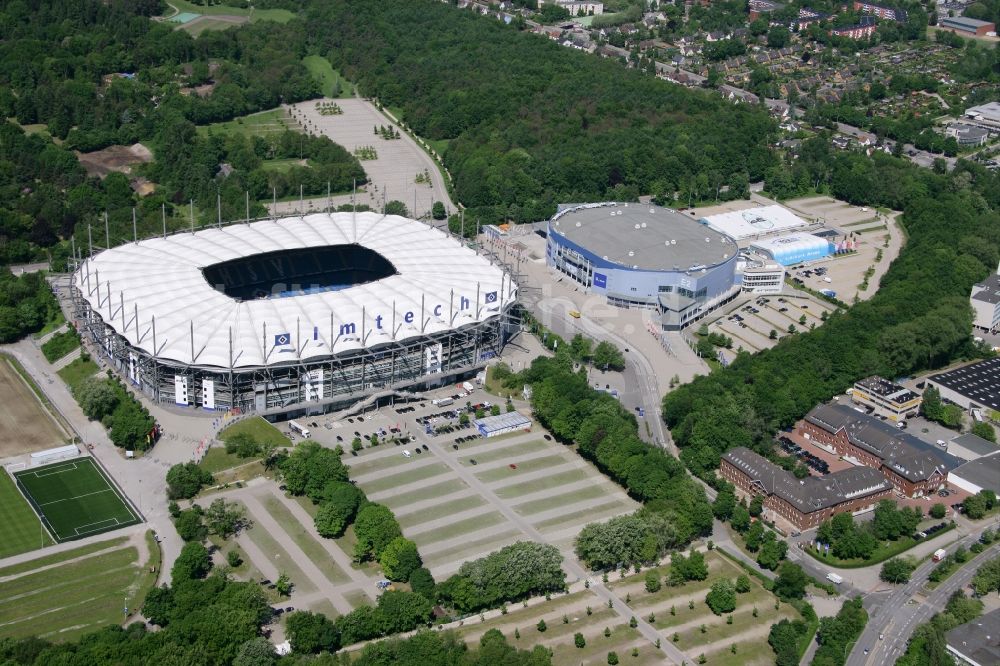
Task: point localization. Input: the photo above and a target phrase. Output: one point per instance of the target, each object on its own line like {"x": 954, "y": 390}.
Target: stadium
{"x": 295, "y": 316}
{"x": 641, "y": 255}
